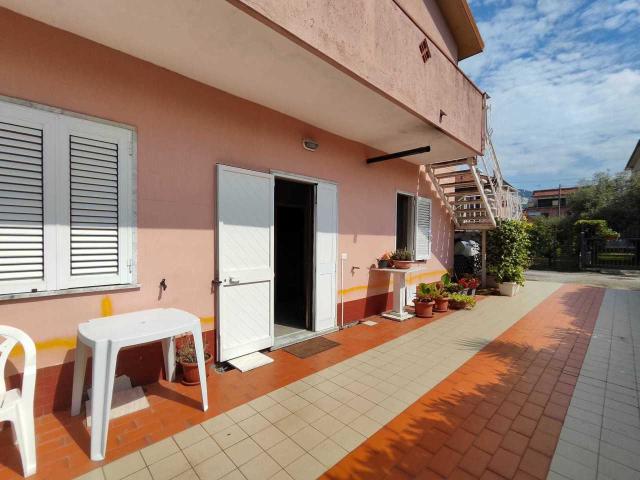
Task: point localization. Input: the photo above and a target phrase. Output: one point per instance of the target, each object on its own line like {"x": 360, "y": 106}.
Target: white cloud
{"x": 564, "y": 77}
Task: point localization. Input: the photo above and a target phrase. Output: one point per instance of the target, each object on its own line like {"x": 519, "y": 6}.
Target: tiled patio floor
{"x": 497, "y": 412}
{"x": 601, "y": 433}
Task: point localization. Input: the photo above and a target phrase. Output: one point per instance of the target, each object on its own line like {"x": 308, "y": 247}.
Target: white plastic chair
{"x": 16, "y": 406}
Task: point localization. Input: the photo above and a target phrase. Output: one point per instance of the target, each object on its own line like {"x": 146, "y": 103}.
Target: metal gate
{"x": 599, "y": 253}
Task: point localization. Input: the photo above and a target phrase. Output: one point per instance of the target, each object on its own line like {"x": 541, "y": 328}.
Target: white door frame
{"x": 313, "y": 181}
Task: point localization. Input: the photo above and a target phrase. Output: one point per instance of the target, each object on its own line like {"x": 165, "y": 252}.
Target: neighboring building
{"x": 148, "y": 141}
{"x": 551, "y": 202}
{"x": 634, "y": 160}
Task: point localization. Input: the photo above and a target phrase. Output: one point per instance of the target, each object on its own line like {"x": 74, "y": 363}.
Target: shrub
{"x": 509, "y": 251}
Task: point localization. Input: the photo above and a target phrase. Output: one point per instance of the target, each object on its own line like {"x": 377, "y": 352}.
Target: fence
{"x": 598, "y": 253}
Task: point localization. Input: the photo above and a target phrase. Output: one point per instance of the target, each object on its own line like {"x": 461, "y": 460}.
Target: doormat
{"x": 311, "y": 347}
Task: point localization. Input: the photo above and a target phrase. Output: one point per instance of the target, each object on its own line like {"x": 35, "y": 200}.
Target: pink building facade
{"x": 372, "y": 94}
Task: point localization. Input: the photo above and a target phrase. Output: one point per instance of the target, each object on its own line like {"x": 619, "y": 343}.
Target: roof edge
{"x": 633, "y": 159}
{"x": 463, "y": 26}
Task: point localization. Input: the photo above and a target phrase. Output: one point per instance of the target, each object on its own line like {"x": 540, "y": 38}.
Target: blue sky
{"x": 564, "y": 81}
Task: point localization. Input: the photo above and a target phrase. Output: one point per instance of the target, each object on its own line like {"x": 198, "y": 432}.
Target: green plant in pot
{"x": 385, "y": 260}
{"x": 440, "y": 297}
{"x": 188, "y": 360}
{"x": 423, "y": 303}
{"x": 508, "y": 254}
{"x": 402, "y": 258}
{"x": 458, "y": 301}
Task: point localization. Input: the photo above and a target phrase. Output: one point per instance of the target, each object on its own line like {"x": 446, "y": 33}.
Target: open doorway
{"x": 294, "y": 247}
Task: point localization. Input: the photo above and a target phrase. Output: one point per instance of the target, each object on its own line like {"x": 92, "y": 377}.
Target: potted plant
{"x": 458, "y": 301}
{"x": 402, "y": 258}
{"x": 440, "y": 297}
{"x": 385, "y": 260}
{"x": 423, "y": 302}
{"x": 508, "y": 254}
{"x": 186, "y": 357}
{"x": 469, "y": 285}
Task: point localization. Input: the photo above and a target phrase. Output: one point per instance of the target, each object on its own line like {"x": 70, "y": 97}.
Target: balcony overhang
{"x": 216, "y": 43}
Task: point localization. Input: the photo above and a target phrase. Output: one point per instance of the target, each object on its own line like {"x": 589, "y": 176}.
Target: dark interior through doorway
{"x": 293, "y": 236}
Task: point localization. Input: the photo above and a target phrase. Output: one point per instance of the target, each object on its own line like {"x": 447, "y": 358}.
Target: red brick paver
{"x": 497, "y": 416}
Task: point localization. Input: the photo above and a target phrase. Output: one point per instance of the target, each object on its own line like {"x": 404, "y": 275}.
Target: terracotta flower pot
{"x": 442, "y": 305}
{"x": 424, "y": 309}
{"x": 190, "y": 375}
{"x": 402, "y": 264}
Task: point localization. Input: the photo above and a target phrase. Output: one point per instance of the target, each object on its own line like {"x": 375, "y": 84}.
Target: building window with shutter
{"x": 66, "y": 203}
{"x": 413, "y": 225}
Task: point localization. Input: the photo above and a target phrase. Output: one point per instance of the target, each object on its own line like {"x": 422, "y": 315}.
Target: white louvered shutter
{"x": 422, "y": 228}
{"x": 95, "y": 240}
{"x": 25, "y": 139}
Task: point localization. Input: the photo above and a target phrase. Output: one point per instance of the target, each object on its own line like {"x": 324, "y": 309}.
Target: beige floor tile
{"x": 343, "y": 395}
{"x": 215, "y": 467}
{"x": 281, "y": 475}
{"x": 361, "y": 404}
{"x": 159, "y": 450}
{"x": 285, "y": 452}
{"x": 314, "y": 379}
{"x": 188, "y": 475}
{"x": 243, "y": 451}
{"x": 328, "y": 425}
{"x": 275, "y": 412}
{"x": 294, "y": 403}
{"x": 169, "y": 467}
{"x": 281, "y": 394}
{"x": 190, "y": 436}
{"x": 374, "y": 395}
{"x": 234, "y": 475}
{"x": 348, "y": 438}
{"x": 299, "y": 386}
{"x": 308, "y": 438}
{"x": 357, "y": 387}
{"x": 268, "y": 437}
{"x": 393, "y": 404}
{"x": 327, "y": 404}
{"x": 345, "y": 414}
{"x": 327, "y": 386}
{"x": 92, "y": 475}
{"x": 310, "y": 413}
{"x": 229, "y": 436}
{"x": 305, "y": 468}
{"x": 123, "y": 466}
{"x": 365, "y": 425}
{"x": 261, "y": 403}
{"x": 290, "y": 424}
{"x": 143, "y": 474}
{"x": 241, "y": 412}
{"x": 312, "y": 395}
{"x": 201, "y": 451}
{"x": 254, "y": 424}
{"x": 217, "y": 424}
{"x": 328, "y": 453}
{"x": 260, "y": 467}
{"x": 380, "y": 415}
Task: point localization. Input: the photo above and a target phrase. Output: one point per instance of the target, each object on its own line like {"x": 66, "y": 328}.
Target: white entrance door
{"x": 326, "y": 255}
{"x": 244, "y": 262}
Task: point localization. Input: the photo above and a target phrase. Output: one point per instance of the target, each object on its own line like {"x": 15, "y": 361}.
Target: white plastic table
{"x": 398, "y": 312}
{"x": 105, "y": 337}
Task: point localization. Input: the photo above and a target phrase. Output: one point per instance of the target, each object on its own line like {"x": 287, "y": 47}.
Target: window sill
{"x": 70, "y": 291}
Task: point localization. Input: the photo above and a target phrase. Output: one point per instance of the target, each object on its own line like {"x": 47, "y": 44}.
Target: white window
{"x": 66, "y": 203}
{"x": 413, "y": 225}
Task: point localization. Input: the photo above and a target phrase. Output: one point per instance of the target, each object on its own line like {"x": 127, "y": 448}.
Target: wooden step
{"x": 470, "y": 193}
{"x": 453, "y": 163}
{"x": 467, "y": 202}
{"x": 452, "y": 174}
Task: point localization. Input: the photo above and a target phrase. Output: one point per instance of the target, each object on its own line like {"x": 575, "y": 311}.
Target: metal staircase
{"x": 474, "y": 191}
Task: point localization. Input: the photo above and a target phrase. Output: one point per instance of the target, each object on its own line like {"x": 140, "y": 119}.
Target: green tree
{"x": 614, "y": 198}
{"x": 509, "y": 250}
